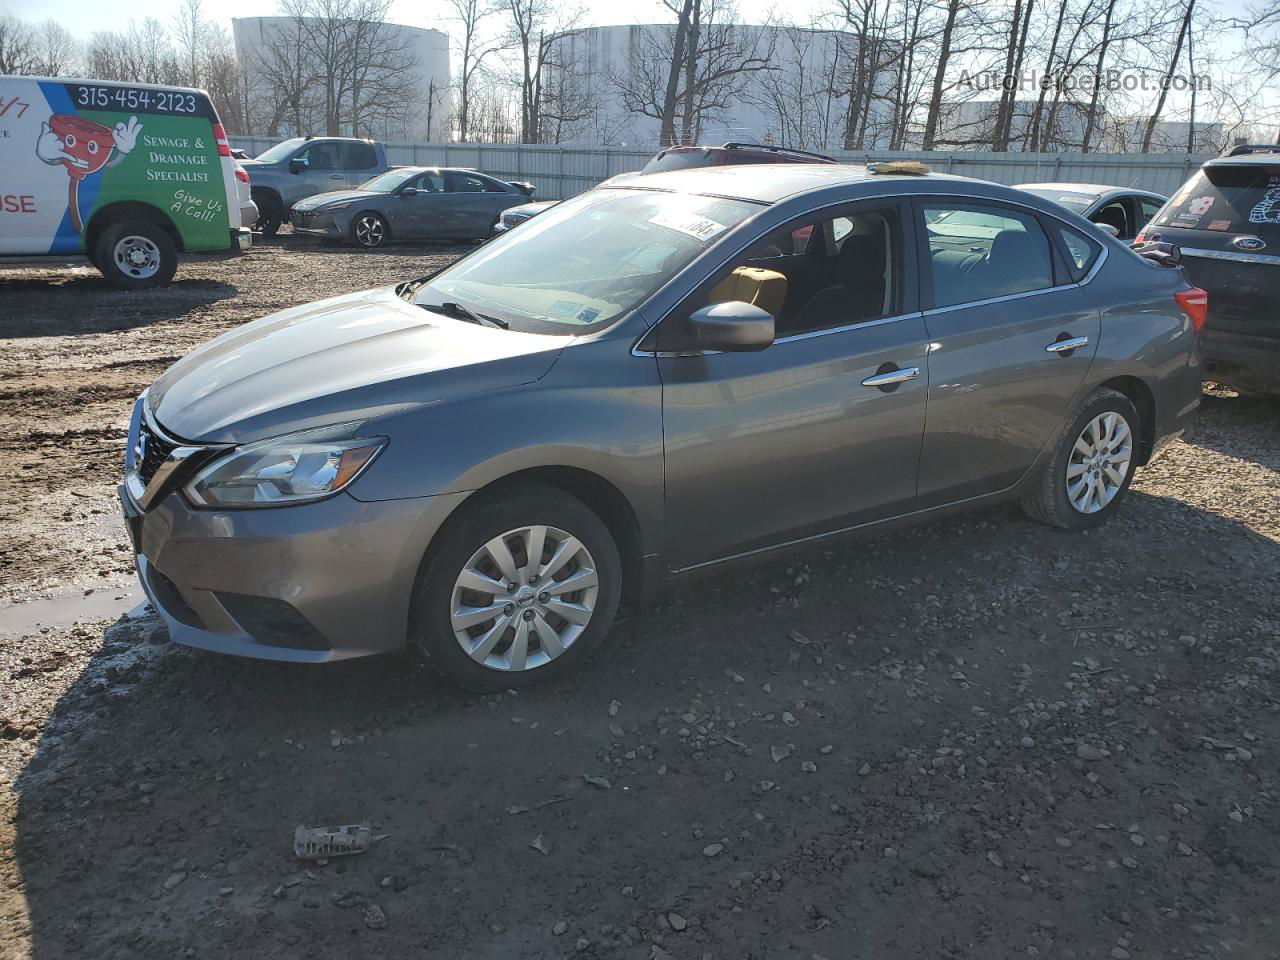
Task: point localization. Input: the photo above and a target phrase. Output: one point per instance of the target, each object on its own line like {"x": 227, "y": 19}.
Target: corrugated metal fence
{"x": 562, "y": 171}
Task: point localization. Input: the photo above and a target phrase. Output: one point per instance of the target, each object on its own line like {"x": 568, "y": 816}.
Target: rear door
{"x": 358, "y": 161}
{"x": 471, "y": 208}
{"x": 1011, "y": 337}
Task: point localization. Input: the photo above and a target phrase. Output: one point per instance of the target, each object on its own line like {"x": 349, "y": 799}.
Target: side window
{"x": 1114, "y": 215}
{"x": 493, "y": 186}
{"x": 464, "y": 183}
{"x": 430, "y": 183}
{"x": 1082, "y": 252}
{"x": 321, "y": 156}
{"x": 357, "y": 156}
{"x": 820, "y": 273}
{"x": 1149, "y": 209}
{"x": 978, "y": 252}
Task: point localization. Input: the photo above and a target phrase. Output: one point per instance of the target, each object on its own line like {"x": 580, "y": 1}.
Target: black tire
{"x": 270, "y": 213}
{"x": 1050, "y": 503}
{"x": 476, "y": 524}
{"x": 370, "y": 230}
{"x": 119, "y": 243}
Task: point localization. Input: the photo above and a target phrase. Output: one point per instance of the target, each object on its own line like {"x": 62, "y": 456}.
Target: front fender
{"x": 599, "y": 410}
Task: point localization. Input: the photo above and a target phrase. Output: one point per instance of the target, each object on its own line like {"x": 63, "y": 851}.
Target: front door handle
{"x": 891, "y": 377}
{"x": 1066, "y": 346}
{"x": 336, "y": 176}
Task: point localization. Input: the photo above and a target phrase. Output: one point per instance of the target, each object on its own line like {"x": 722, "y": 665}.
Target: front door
{"x": 1011, "y": 335}
{"x": 422, "y": 215}
{"x": 822, "y": 429}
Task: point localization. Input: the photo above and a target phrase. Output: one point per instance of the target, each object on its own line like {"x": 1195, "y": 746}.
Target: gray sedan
{"x": 649, "y": 379}
{"x": 410, "y": 203}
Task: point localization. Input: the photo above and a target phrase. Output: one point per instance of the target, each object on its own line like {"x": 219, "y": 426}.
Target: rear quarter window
{"x": 1229, "y": 199}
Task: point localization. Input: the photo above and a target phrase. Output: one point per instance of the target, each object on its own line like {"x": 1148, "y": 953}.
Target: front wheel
{"x": 369, "y": 230}
{"x": 135, "y": 255}
{"x": 522, "y": 588}
{"x": 1092, "y": 464}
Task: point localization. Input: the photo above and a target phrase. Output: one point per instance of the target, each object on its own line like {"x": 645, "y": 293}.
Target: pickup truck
{"x": 304, "y": 166}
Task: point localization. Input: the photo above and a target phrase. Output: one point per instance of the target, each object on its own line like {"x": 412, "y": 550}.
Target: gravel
{"x": 992, "y": 688}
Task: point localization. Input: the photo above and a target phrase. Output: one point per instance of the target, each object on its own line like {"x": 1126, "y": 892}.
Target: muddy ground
{"x": 979, "y": 739}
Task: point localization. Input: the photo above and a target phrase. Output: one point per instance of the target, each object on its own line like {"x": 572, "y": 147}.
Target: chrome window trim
{"x": 1266, "y": 258}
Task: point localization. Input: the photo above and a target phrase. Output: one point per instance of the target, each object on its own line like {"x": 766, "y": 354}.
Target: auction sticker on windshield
{"x": 73, "y": 148}
{"x": 700, "y": 228}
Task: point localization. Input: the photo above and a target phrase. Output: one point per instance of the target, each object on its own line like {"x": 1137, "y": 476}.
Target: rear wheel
{"x": 522, "y": 589}
{"x": 369, "y": 230}
{"x": 1091, "y": 466}
{"x": 135, "y": 255}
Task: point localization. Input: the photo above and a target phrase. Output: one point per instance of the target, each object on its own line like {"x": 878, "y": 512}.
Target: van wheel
{"x": 270, "y": 213}
{"x": 521, "y": 589}
{"x": 1092, "y": 464}
{"x": 136, "y": 255}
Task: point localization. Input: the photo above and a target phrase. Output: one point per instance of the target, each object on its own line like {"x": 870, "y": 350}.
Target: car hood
{"x": 334, "y": 196}
{"x": 344, "y": 359}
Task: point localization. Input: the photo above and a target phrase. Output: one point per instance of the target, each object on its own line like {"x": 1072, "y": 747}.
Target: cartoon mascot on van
{"x": 84, "y": 147}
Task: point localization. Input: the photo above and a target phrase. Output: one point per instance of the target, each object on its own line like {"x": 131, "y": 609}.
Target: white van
{"x": 128, "y": 174}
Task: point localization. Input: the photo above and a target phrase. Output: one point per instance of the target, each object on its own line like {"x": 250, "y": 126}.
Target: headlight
{"x": 284, "y": 470}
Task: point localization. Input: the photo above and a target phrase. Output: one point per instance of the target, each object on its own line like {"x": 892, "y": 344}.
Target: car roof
{"x": 1247, "y": 160}
{"x": 1092, "y": 189}
{"x": 770, "y": 182}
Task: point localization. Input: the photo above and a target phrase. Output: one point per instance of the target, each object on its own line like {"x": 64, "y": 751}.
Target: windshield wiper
{"x": 459, "y": 312}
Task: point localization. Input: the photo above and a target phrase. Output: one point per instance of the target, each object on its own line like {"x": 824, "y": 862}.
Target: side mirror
{"x": 409, "y": 192}
{"x": 298, "y": 164}
{"x": 733, "y": 326}
{"x": 1108, "y": 229}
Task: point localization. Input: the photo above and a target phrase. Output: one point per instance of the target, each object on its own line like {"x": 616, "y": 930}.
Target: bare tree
{"x": 536, "y": 29}
{"x": 57, "y": 53}
{"x": 1168, "y": 76}
{"x": 17, "y": 46}
{"x": 190, "y": 30}
{"x": 474, "y": 48}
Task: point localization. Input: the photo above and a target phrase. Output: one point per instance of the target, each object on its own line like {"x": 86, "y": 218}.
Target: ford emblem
{"x": 1249, "y": 243}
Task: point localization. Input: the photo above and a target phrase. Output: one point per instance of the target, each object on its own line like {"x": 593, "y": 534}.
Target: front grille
{"x": 151, "y": 451}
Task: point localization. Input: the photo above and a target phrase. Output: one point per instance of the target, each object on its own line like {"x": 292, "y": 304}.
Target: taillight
{"x": 242, "y": 174}
{"x": 1140, "y": 238}
{"x": 1195, "y": 304}
{"x": 220, "y": 138}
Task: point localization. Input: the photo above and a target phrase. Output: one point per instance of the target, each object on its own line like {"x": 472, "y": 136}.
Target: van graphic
{"x": 84, "y": 147}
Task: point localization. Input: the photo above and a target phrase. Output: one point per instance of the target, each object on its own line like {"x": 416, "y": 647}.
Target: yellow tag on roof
{"x": 911, "y": 167}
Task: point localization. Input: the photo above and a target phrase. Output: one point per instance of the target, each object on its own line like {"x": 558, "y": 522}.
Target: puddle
{"x": 70, "y": 605}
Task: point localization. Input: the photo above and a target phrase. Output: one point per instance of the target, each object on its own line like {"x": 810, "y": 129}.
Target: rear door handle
{"x": 1066, "y": 346}
{"x": 891, "y": 377}
{"x": 336, "y": 176}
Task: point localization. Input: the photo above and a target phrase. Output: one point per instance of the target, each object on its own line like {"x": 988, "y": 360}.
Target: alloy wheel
{"x": 1099, "y": 462}
{"x": 137, "y": 257}
{"x": 524, "y": 598}
{"x": 370, "y": 232}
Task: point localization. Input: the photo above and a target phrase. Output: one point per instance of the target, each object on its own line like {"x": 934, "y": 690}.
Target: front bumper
{"x": 308, "y": 583}
{"x": 323, "y": 226}
{"x": 1240, "y": 360}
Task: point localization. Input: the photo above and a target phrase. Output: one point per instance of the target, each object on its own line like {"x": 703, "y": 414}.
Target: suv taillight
{"x": 242, "y": 174}
{"x": 1195, "y": 304}
{"x": 1140, "y": 238}
{"x": 220, "y": 138}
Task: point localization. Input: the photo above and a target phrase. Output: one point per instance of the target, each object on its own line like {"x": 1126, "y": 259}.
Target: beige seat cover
{"x": 766, "y": 289}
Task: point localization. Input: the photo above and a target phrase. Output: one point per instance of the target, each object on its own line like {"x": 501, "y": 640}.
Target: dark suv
{"x": 681, "y": 158}
{"x": 1226, "y": 221}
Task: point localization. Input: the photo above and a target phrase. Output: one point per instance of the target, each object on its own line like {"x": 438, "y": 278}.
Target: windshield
{"x": 280, "y": 150}
{"x": 1075, "y": 202}
{"x": 587, "y": 262}
{"x": 391, "y": 180}
{"x": 1228, "y": 199}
